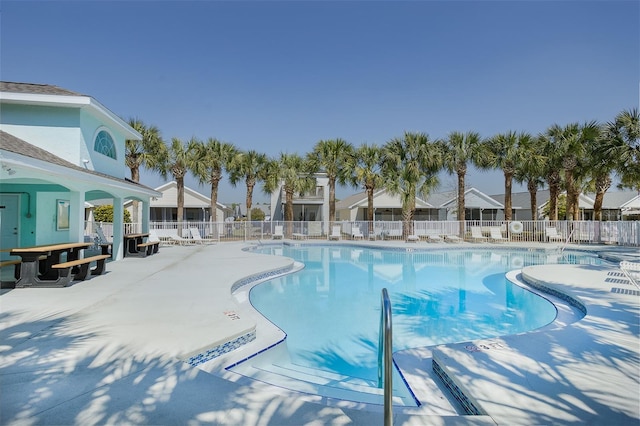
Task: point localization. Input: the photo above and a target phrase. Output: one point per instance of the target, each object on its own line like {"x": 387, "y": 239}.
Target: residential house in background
{"x": 58, "y": 150}
{"x": 387, "y": 207}
{"x": 309, "y": 207}
{"x": 197, "y": 207}
{"x": 437, "y": 206}
{"x": 617, "y": 205}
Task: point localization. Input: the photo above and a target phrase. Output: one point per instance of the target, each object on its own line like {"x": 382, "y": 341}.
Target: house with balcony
{"x": 309, "y": 207}
{"x": 60, "y": 150}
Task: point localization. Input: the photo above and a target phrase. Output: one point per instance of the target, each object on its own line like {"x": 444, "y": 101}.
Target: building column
{"x": 118, "y": 229}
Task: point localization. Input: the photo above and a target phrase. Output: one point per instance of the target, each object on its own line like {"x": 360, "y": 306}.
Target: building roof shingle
{"x": 35, "y": 89}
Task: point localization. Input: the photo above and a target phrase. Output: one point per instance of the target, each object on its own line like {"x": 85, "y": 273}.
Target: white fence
{"x": 624, "y": 233}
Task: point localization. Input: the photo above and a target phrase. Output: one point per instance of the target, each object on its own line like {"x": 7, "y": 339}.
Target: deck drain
{"x": 617, "y": 280}
{"x": 625, "y": 291}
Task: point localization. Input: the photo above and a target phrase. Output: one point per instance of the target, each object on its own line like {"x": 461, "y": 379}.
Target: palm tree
{"x": 180, "y": 160}
{"x": 531, "y": 168}
{"x": 552, "y": 167}
{"x": 149, "y": 152}
{"x": 459, "y": 150}
{"x": 331, "y": 157}
{"x": 571, "y": 141}
{"x": 623, "y": 143}
{"x": 212, "y": 158}
{"x": 501, "y": 151}
{"x": 290, "y": 171}
{"x": 365, "y": 170}
{"x": 410, "y": 167}
{"x": 249, "y": 166}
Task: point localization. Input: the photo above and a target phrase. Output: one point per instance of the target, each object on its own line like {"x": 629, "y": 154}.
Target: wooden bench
{"x": 16, "y": 263}
{"x": 148, "y": 248}
{"x": 83, "y": 267}
{"x": 10, "y": 262}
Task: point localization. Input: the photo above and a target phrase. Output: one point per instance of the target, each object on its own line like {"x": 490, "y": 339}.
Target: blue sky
{"x": 280, "y": 76}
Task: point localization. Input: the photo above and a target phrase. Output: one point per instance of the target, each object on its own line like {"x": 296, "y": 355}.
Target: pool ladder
{"x": 385, "y": 363}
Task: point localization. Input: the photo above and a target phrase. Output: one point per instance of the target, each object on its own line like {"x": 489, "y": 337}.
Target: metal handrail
{"x": 385, "y": 352}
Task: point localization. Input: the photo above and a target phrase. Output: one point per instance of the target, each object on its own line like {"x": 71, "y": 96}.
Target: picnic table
{"x": 36, "y": 265}
{"x": 131, "y": 242}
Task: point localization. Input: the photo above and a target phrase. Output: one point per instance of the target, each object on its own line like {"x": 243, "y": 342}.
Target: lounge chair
{"x": 195, "y": 235}
{"x": 433, "y": 237}
{"x": 552, "y": 234}
{"x": 315, "y": 229}
{"x": 356, "y": 233}
{"x": 278, "y": 232}
{"x": 299, "y": 236}
{"x": 496, "y": 235}
{"x": 632, "y": 271}
{"x": 413, "y": 238}
{"x": 177, "y": 239}
{"x": 476, "y": 234}
{"x": 336, "y": 233}
{"x": 452, "y": 238}
{"x": 100, "y": 236}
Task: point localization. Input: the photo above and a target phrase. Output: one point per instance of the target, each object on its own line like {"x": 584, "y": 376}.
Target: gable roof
{"x": 48, "y": 95}
{"x": 619, "y": 199}
{"x": 474, "y": 199}
{"x": 21, "y": 148}
{"x": 192, "y": 198}
{"x": 383, "y": 197}
{"x": 34, "y": 88}
{"x": 522, "y": 200}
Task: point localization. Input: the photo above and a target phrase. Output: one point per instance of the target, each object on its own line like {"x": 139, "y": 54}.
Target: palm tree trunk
{"x": 332, "y": 199}
{"x": 408, "y": 211}
{"x": 554, "y": 190}
{"x": 249, "y": 200}
{"x": 462, "y": 214}
{"x": 532, "y": 186}
{"x": 213, "y": 209}
{"x": 180, "y": 216}
{"x": 576, "y": 203}
{"x": 508, "y": 183}
{"x": 370, "y": 211}
{"x": 568, "y": 181}
{"x": 603, "y": 183}
{"x": 288, "y": 211}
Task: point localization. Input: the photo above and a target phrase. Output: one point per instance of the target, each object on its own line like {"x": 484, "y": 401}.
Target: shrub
{"x": 104, "y": 213}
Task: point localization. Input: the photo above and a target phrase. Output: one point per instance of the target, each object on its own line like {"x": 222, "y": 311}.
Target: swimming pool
{"x": 330, "y": 310}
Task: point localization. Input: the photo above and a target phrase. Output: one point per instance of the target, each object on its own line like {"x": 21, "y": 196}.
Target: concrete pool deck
{"x": 112, "y": 350}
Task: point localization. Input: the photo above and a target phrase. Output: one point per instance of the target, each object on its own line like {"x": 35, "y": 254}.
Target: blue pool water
{"x": 330, "y": 310}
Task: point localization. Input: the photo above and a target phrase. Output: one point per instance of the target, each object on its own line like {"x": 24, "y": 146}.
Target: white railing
{"x": 623, "y": 233}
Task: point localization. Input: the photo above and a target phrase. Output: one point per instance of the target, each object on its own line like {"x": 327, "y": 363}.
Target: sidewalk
{"x": 109, "y": 350}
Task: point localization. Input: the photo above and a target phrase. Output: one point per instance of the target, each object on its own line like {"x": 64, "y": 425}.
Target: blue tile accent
{"x": 242, "y": 340}
{"x": 221, "y": 349}
{"x": 418, "y": 403}
{"x": 253, "y": 279}
{"x": 540, "y": 285}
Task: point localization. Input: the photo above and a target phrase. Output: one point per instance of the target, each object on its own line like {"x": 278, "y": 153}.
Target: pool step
{"x": 324, "y": 383}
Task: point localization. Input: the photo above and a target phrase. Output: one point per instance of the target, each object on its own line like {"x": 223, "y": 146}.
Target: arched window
{"x": 104, "y": 144}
